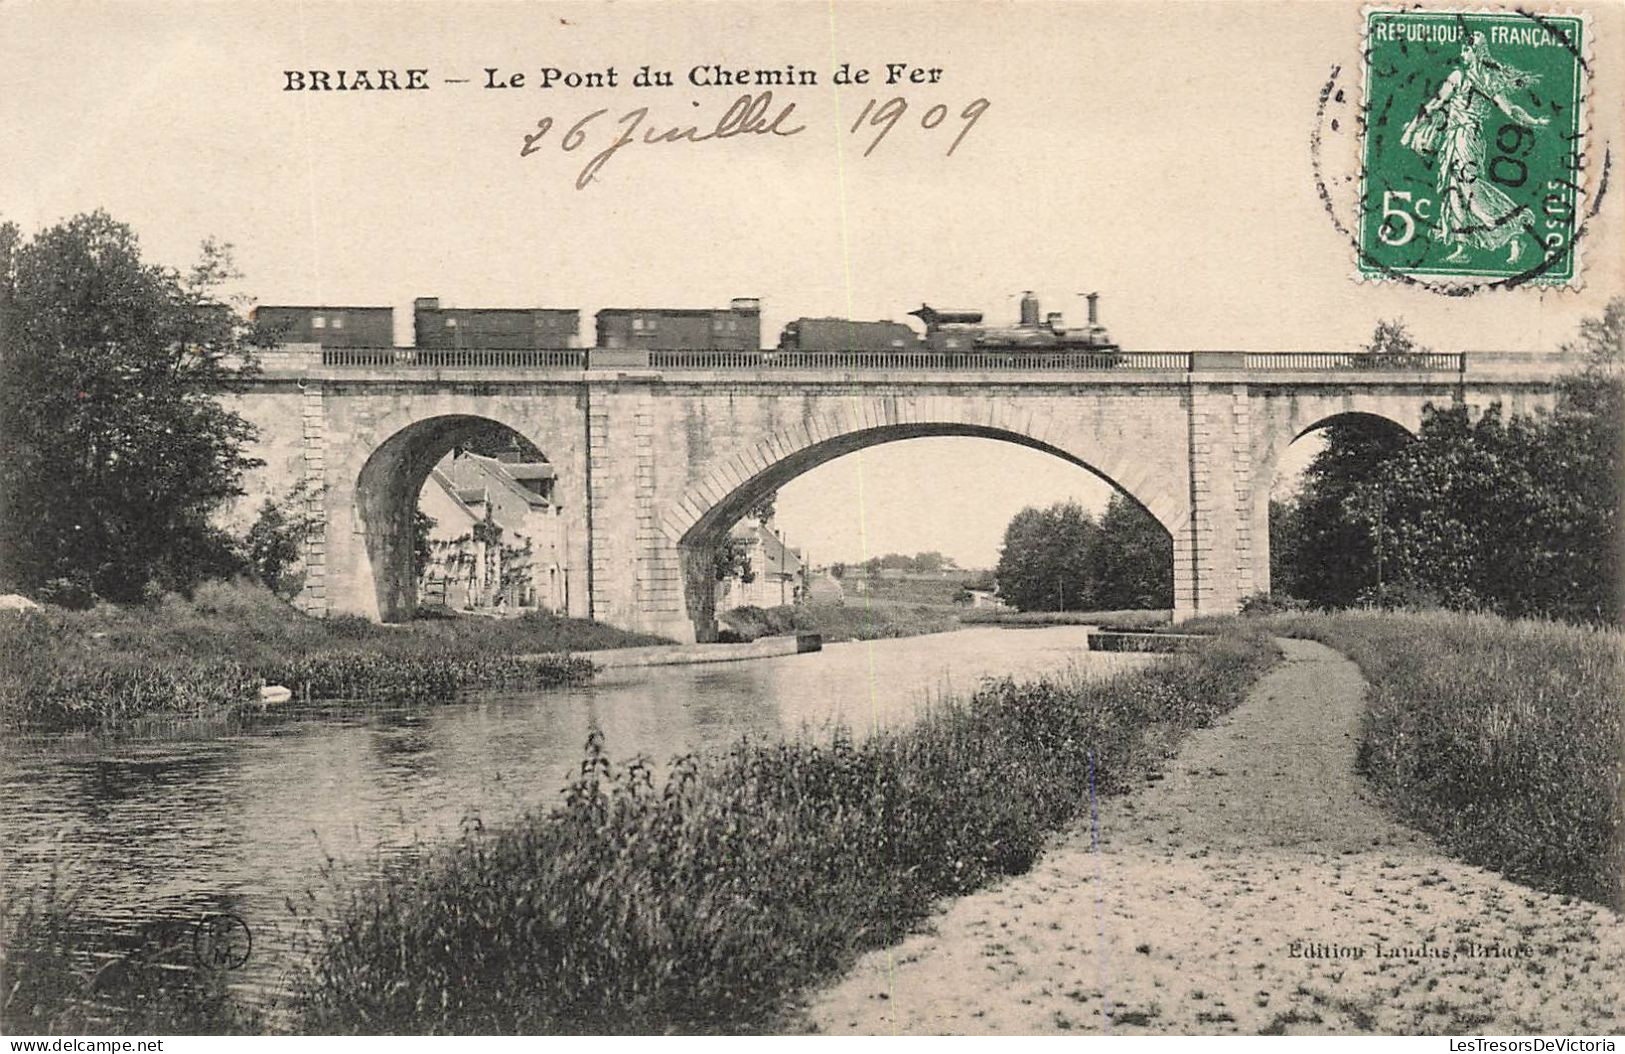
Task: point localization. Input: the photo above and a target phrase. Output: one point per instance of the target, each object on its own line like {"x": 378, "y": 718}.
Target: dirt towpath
{"x": 1255, "y": 888}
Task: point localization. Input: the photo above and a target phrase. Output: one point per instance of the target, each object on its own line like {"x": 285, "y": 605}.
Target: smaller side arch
{"x": 1279, "y": 439}
{"x": 386, "y": 500}
{"x": 1357, "y": 417}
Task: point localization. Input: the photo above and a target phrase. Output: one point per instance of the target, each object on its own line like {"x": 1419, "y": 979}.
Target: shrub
{"x": 73, "y": 593}
{"x": 1271, "y": 604}
{"x": 836, "y": 622}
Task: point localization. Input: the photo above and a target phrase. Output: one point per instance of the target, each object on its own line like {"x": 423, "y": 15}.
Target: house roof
{"x": 441, "y": 480}
{"x": 778, "y": 558}
{"x": 522, "y": 470}
{"x": 508, "y": 474}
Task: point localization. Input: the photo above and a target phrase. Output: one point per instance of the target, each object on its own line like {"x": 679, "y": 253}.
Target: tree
{"x": 1045, "y": 564}
{"x": 1286, "y": 537}
{"x": 494, "y": 440}
{"x": 1134, "y": 560}
{"x": 1334, "y": 551}
{"x": 423, "y": 526}
{"x": 930, "y": 563}
{"x": 732, "y": 560}
{"x": 274, "y": 546}
{"x": 1516, "y": 514}
{"x": 117, "y": 449}
{"x": 1449, "y": 514}
{"x": 762, "y": 509}
{"x": 1519, "y": 515}
{"x": 1581, "y": 457}
{"x": 1393, "y": 338}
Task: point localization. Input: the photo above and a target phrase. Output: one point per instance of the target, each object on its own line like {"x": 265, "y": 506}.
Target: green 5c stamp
{"x": 1473, "y": 153}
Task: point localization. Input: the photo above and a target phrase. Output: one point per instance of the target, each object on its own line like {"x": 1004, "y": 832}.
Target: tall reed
{"x": 706, "y": 902}
{"x": 57, "y": 977}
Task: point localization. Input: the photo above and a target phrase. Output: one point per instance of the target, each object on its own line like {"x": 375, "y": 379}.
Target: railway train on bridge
{"x": 737, "y": 327}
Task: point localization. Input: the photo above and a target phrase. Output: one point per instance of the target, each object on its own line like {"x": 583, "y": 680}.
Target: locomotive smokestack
{"x": 1094, "y": 308}
{"x": 1029, "y": 310}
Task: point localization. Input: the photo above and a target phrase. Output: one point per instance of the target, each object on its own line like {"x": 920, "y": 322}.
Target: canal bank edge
{"x": 690, "y": 654}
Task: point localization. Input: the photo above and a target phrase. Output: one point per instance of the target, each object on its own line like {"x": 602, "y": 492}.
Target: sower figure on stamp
{"x": 1473, "y": 211}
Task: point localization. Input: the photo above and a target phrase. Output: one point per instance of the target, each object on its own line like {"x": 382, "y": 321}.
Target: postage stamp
{"x": 1473, "y": 156}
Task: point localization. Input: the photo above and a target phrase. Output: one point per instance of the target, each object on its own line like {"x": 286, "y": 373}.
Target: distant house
{"x": 498, "y": 537}
{"x": 779, "y": 576}
{"x": 986, "y": 598}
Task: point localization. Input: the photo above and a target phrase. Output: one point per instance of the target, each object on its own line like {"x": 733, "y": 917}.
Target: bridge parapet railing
{"x": 1326, "y": 361}
{"x": 974, "y": 361}
{"x": 900, "y": 360}
{"x": 458, "y": 358}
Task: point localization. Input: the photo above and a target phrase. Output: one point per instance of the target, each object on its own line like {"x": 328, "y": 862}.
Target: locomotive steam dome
{"x": 1029, "y": 310}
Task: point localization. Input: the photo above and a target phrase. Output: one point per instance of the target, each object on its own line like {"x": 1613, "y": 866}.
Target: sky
{"x": 1158, "y": 153}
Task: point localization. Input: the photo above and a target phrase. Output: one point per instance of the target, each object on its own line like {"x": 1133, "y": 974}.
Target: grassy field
{"x": 708, "y": 903}
{"x": 71, "y": 670}
{"x": 1504, "y": 740}
{"x": 929, "y": 591}
{"x": 1120, "y": 620}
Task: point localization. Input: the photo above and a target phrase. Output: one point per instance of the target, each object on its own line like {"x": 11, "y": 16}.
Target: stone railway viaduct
{"x": 659, "y": 453}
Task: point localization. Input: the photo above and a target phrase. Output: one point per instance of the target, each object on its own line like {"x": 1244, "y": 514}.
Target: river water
{"x": 181, "y": 821}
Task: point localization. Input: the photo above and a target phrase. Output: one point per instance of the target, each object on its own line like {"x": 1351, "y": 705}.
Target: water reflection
{"x": 174, "y": 824}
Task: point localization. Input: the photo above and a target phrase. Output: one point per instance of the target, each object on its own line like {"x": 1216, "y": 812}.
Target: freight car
{"x": 525, "y": 328}
{"x": 735, "y": 328}
{"x": 331, "y": 327}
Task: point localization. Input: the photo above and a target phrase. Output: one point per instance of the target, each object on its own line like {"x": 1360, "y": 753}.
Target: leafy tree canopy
{"x": 118, "y": 449}
{"x": 1519, "y": 514}
{"x": 1060, "y": 559}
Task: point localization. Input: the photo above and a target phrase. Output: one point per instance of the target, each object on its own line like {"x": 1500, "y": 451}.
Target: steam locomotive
{"x": 952, "y": 331}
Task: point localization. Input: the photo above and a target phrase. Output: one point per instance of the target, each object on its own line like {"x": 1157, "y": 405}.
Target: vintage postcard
{"x": 811, "y": 518}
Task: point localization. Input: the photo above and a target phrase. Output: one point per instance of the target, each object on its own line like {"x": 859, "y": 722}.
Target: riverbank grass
{"x": 1127, "y": 620}
{"x": 1504, "y": 740}
{"x": 64, "y": 670}
{"x": 58, "y": 977}
{"x": 852, "y": 620}
{"x": 709, "y": 901}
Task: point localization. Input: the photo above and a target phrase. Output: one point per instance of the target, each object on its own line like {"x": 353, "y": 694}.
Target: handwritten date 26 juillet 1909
{"x": 750, "y": 114}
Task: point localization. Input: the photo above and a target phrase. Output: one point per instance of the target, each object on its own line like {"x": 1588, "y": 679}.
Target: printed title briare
{"x": 895, "y": 74}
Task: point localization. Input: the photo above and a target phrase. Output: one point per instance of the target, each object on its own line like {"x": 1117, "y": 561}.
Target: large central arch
{"x": 701, "y": 520}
